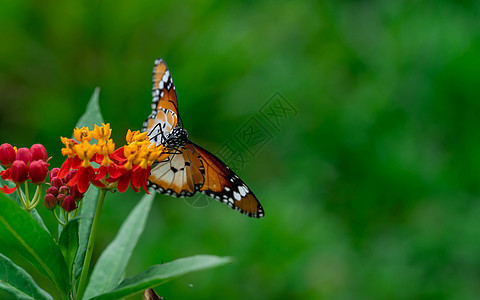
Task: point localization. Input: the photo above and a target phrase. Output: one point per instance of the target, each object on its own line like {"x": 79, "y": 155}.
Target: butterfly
{"x": 189, "y": 168}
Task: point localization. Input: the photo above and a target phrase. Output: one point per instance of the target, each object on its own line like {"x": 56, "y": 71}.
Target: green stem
{"x": 36, "y": 198}
{"x": 27, "y": 197}
{"x": 58, "y": 219}
{"x": 91, "y": 241}
{"x": 21, "y": 197}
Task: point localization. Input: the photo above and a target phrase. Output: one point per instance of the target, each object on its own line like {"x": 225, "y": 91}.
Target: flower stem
{"x": 58, "y": 219}
{"x": 36, "y": 198}
{"x": 27, "y": 197}
{"x": 91, "y": 241}
{"x": 21, "y": 197}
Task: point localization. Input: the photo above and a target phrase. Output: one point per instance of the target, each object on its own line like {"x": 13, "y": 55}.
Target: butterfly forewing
{"x": 222, "y": 184}
{"x": 164, "y": 101}
{"x": 179, "y": 175}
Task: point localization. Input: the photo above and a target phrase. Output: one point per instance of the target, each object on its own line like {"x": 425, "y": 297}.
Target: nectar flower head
{"x": 118, "y": 168}
{"x": 69, "y": 147}
{"x": 102, "y": 133}
{"x": 82, "y": 134}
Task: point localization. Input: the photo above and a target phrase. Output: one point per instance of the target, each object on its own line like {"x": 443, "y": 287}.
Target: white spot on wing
{"x": 242, "y": 190}
{"x": 237, "y": 196}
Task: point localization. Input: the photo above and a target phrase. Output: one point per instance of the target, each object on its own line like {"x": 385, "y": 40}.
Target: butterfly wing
{"x": 222, "y": 184}
{"x": 179, "y": 175}
{"x": 164, "y": 116}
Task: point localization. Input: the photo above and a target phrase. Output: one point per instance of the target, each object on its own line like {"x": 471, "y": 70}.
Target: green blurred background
{"x": 371, "y": 191}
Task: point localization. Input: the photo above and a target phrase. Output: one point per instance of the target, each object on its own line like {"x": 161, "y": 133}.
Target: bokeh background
{"x": 371, "y": 191}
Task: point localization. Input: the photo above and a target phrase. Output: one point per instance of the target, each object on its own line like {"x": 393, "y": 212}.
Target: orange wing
{"x": 180, "y": 175}
{"x": 163, "y": 90}
{"x": 164, "y": 102}
{"x": 222, "y": 184}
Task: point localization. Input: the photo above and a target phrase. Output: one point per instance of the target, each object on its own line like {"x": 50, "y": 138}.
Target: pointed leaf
{"x": 20, "y": 231}
{"x": 68, "y": 242}
{"x": 159, "y": 274}
{"x": 111, "y": 264}
{"x": 92, "y": 114}
{"x": 19, "y": 283}
{"x": 87, "y": 212}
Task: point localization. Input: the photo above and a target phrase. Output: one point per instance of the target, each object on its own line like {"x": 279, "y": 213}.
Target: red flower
{"x": 50, "y": 201}
{"x": 19, "y": 171}
{"x": 38, "y": 152}
{"x": 7, "y": 155}
{"x": 5, "y": 189}
{"x": 52, "y": 190}
{"x": 24, "y": 154}
{"x": 38, "y": 171}
{"x": 82, "y": 178}
{"x": 53, "y": 173}
{"x": 68, "y": 204}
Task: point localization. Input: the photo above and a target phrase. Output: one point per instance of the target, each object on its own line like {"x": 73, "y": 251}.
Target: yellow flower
{"x": 85, "y": 152}
{"x": 102, "y": 133}
{"x": 69, "y": 147}
{"x": 82, "y": 134}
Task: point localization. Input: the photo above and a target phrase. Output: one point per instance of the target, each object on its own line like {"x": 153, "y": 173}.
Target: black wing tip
{"x": 258, "y": 215}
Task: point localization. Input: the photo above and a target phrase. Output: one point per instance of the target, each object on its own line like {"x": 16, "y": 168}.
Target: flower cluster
{"x": 127, "y": 165}
{"x": 60, "y": 194}
{"x": 22, "y": 165}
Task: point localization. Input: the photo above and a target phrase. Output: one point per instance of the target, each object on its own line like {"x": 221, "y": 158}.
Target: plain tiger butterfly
{"x": 189, "y": 168}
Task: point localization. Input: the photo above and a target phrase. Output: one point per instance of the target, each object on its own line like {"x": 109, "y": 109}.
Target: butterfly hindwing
{"x": 222, "y": 184}
{"x": 179, "y": 175}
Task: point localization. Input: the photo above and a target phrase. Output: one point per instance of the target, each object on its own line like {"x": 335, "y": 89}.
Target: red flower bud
{"x": 76, "y": 193}
{"x": 38, "y": 152}
{"x": 53, "y": 173}
{"x": 19, "y": 171}
{"x": 24, "y": 154}
{"x": 7, "y": 155}
{"x": 56, "y": 182}
{"x": 69, "y": 175}
{"x": 52, "y": 190}
{"x": 63, "y": 189}
{"x": 61, "y": 197}
{"x": 69, "y": 204}
{"x": 50, "y": 201}
{"x": 38, "y": 170}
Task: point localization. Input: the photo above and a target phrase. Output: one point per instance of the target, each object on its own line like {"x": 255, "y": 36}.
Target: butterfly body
{"x": 189, "y": 168}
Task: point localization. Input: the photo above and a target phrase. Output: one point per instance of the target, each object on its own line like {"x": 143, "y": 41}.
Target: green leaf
{"x": 20, "y": 231}
{"x": 14, "y": 196}
{"x": 111, "y": 264}
{"x": 159, "y": 274}
{"x": 36, "y": 216}
{"x": 92, "y": 114}
{"x": 87, "y": 212}
{"x": 68, "y": 242}
{"x": 19, "y": 283}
